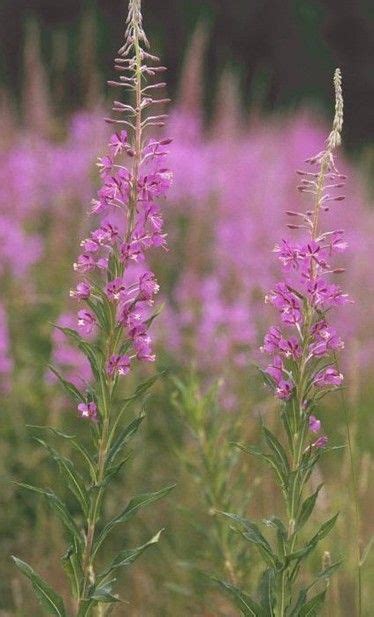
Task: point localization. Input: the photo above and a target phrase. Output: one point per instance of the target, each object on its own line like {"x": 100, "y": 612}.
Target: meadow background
{"x": 251, "y": 85}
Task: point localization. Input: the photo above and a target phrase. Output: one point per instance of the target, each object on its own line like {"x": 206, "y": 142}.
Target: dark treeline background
{"x": 282, "y": 50}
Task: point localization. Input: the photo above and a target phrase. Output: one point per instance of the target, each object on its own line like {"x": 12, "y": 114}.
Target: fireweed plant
{"x": 302, "y": 370}
{"x": 218, "y": 476}
{"x": 116, "y": 292}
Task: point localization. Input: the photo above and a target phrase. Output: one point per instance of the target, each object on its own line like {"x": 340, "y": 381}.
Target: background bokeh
{"x": 251, "y": 85}
{"x": 283, "y": 51}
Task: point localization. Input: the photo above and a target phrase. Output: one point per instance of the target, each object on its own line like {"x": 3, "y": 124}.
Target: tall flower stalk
{"x": 117, "y": 292}
{"x": 302, "y": 371}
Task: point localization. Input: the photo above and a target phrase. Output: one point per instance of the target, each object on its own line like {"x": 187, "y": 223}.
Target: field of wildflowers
{"x": 186, "y": 346}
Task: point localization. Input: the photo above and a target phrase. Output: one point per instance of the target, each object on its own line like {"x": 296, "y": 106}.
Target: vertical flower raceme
{"x": 115, "y": 293}
{"x": 303, "y": 345}
{"x": 302, "y": 369}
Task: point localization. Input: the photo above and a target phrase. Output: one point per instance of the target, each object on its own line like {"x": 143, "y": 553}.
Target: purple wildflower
{"x": 306, "y": 294}
{"x": 118, "y": 364}
{"x": 328, "y": 377}
{"x": 321, "y": 442}
{"x": 314, "y": 424}
{"x": 88, "y": 410}
{"x": 133, "y": 179}
{"x": 81, "y": 292}
{"x": 86, "y": 322}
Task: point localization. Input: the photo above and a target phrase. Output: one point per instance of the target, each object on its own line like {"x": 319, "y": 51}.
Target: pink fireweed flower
{"x": 306, "y": 295}
{"x": 148, "y": 287}
{"x": 117, "y": 143}
{"x": 82, "y": 291}
{"x": 284, "y": 389}
{"x": 326, "y": 341}
{"x": 85, "y": 263}
{"x": 328, "y": 377}
{"x": 115, "y": 288}
{"x": 314, "y": 424}
{"x": 134, "y": 178}
{"x": 88, "y": 410}
{"x": 118, "y": 365}
{"x": 272, "y": 340}
{"x": 86, "y": 322}
{"x": 321, "y": 442}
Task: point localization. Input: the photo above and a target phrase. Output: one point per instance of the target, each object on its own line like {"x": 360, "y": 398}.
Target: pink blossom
{"x": 143, "y": 347}
{"x": 85, "y": 263}
{"x": 86, "y": 322}
{"x": 82, "y": 291}
{"x": 321, "y": 442}
{"x": 88, "y": 410}
{"x": 118, "y": 364}
{"x": 148, "y": 287}
{"x": 328, "y": 377}
{"x": 117, "y": 142}
{"x": 314, "y": 424}
{"x": 114, "y": 289}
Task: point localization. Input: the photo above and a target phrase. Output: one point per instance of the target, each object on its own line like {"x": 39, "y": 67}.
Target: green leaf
{"x": 248, "y": 607}
{"x": 52, "y": 430}
{"x": 48, "y": 598}
{"x": 144, "y": 387}
{"x": 92, "y": 352}
{"x": 252, "y": 450}
{"x": 324, "y": 530}
{"x": 277, "y": 449}
{"x": 58, "y": 506}
{"x": 112, "y": 471}
{"x": 72, "y": 477}
{"x": 128, "y": 556}
{"x": 103, "y": 593}
{"x": 312, "y": 608}
{"x": 68, "y": 386}
{"x": 307, "y": 509}
{"x": 266, "y": 592}
{"x": 277, "y": 524}
{"x": 254, "y": 535}
{"x": 301, "y": 554}
{"x": 124, "y": 436}
{"x": 135, "y": 504}
{"x": 72, "y": 566}
{"x": 326, "y": 573}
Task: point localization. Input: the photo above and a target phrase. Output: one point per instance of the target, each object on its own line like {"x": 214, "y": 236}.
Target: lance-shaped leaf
{"x": 254, "y": 535}
{"x": 128, "y": 556}
{"x": 48, "y": 598}
{"x": 312, "y": 608}
{"x": 124, "y": 436}
{"x": 248, "y": 607}
{"x": 266, "y": 592}
{"x": 72, "y": 477}
{"x": 135, "y": 504}
{"x": 301, "y": 554}
{"x": 70, "y": 388}
{"x": 277, "y": 524}
{"x": 277, "y": 449}
{"x": 144, "y": 387}
{"x": 72, "y": 566}
{"x": 52, "y": 430}
{"x": 307, "y": 508}
{"x": 112, "y": 471}
{"x": 91, "y": 351}
{"x": 103, "y": 593}
{"x": 252, "y": 450}
{"x": 326, "y": 573}
{"x": 59, "y": 507}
